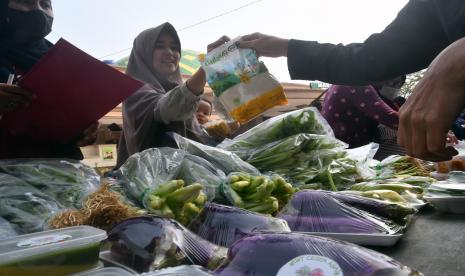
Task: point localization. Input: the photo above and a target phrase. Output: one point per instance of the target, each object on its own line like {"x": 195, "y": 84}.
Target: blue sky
{"x": 101, "y": 27}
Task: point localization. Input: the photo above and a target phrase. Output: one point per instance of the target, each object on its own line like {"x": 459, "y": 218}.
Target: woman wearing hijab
{"x": 23, "y": 27}
{"x": 164, "y": 104}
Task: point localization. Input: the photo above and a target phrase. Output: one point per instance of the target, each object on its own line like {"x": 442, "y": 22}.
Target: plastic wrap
{"x": 8, "y": 230}
{"x": 149, "y": 243}
{"x": 307, "y": 120}
{"x": 67, "y": 181}
{"x": 182, "y": 270}
{"x": 394, "y": 191}
{"x": 224, "y": 160}
{"x": 257, "y": 193}
{"x": 299, "y": 254}
{"x": 23, "y": 205}
{"x": 318, "y": 211}
{"x": 396, "y": 212}
{"x": 169, "y": 182}
{"x": 223, "y": 225}
{"x": 400, "y": 166}
{"x": 240, "y": 82}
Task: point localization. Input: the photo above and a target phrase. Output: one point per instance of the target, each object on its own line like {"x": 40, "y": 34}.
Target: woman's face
{"x": 30, "y": 5}
{"x": 166, "y": 55}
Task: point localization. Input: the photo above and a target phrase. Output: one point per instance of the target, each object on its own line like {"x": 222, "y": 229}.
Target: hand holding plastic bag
{"x": 241, "y": 83}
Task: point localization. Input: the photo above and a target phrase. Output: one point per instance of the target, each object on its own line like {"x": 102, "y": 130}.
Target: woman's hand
{"x": 220, "y": 41}
{"x": 13, "y": 97}
{"x": 265, "y": 45}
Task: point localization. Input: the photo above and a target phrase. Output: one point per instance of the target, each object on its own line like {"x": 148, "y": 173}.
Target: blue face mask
{"x": 24, "y": 27}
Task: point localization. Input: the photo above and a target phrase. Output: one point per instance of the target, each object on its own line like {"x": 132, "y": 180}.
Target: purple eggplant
{"x": 384, "y": 209}
{"x": 319, "y": 211}
{"x": 224, "y": 225}
{"x": 265, "y": 254}
{"x": 147, "y": 243}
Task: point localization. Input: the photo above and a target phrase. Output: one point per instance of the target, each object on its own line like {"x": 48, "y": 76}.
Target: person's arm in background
{"x": 407, "y": 45}
{"x": 435, "y": 103}
{"x": 366, "y": 100}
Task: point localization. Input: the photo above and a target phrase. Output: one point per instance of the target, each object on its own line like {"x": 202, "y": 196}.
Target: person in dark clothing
{"x": 23, "y": 26}
{"x": 425, "y": 32}
{"x": 459, "y": 126}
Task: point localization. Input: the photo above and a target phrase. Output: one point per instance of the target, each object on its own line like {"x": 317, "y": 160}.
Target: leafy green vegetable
{"x": 67, "y": 182}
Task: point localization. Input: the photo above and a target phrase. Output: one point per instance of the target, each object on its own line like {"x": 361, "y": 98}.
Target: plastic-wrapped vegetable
{"x": 25, "y": 206}
{"x": 224, "y": 225}
{"x": 170, "y": 183}
{"x": 299, "y": 254}
{"x": 396, "y": 165}
{"x": 395, "y": 192}
{"x": 257, "y": 193}
{"x": 307, "y": 120}
{"x": 149, "y": 243}
{"x": 67, "y": 181}
{"x": 182, "y": 270}
{"x": 318, "y": 211}
{"x": 224, "y": 160}
{"x": 8, "y": 230}
{"x": 396, "y": 212}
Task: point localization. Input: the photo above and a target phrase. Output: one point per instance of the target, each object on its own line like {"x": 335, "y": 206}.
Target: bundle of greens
{"x": 259, "y": 194}
{"x": 307, "y": 120}
{"x": 68, "y": 182}
{"x": 24, "y": 206}
{"x": 400, "y": 166}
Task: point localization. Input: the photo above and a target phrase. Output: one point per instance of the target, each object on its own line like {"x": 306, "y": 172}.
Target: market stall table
{"x": 434, "y": 244}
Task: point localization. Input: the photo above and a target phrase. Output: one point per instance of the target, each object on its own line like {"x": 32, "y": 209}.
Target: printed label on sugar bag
{"x": 241, "y": 82}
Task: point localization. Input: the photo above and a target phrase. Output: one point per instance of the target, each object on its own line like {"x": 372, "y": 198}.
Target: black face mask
{"x": 20, "y": 27}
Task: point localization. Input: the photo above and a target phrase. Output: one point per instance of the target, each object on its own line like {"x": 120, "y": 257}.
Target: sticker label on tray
{"x": 310, "y": 265}
{"x": 43, "y": 240}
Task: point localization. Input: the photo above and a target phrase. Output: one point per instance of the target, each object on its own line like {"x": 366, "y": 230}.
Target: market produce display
{"x": 270, "y": 254}
{"x": 223, "y": 225}
{"x": 319, "y": 211}
{"x": 245, "y": 208}
{"x": 260, "y": 193}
